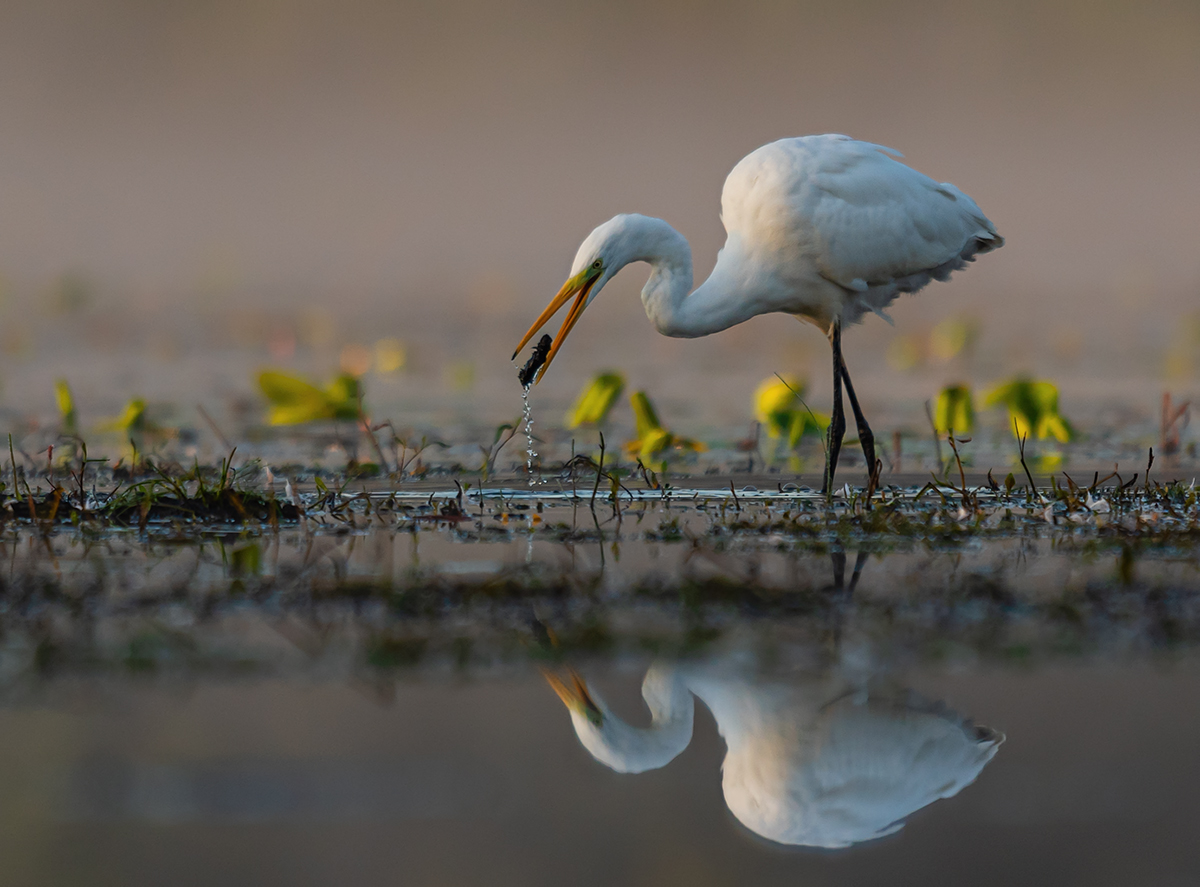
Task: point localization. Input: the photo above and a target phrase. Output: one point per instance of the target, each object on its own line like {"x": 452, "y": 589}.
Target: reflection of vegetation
{"x": 390, "y": 622}
{"x": 208, "y": 536}
{"x": 1032, "y": 409}
{"x": 654, "y": 443}
{"x": 394, "y": 651}
{"x": 246, "y": 560}
{"x": 596, "y": 399}
{"x": 294, "y": 400}
{"x": 955, "y": 410}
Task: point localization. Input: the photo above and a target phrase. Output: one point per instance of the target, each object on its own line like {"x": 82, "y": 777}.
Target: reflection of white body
{"x": 818, "y": 762}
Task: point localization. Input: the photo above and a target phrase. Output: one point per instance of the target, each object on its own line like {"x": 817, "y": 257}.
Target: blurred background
{"x": 194, "y": 191}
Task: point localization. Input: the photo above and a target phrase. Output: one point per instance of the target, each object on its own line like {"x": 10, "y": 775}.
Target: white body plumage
{"x": 823, "y": 227}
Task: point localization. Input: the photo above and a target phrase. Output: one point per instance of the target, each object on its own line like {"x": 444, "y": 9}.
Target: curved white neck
{"x": 667, "y": 296}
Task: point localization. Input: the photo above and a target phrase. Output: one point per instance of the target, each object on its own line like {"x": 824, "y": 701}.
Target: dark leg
{"x": 859, "y": 562}
{"x": 837, "y": 422}
{"x": 839, "y": 569}
{"x": 865, "y": 437}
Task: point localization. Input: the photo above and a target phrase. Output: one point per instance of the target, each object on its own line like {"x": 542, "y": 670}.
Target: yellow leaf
{"x": 132, "y": 418}
{"x": 644, "y": 414}
{"x": 65, "y": 401}
{"x": 596, "y": 399}
{"x": 654, "y": 442}
{"x": 294, "y": 400}
{"x": 954, "y": 410}
{"x": 1033, "y": 407}
{"x": 281, "y": 388}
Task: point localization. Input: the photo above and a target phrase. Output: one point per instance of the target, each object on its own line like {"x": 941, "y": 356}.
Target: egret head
{"x": 609, "y": 248}
{"x": 576, "y": 697}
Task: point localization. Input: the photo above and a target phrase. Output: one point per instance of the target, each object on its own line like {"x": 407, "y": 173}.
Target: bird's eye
{"x": 598, "y": 264}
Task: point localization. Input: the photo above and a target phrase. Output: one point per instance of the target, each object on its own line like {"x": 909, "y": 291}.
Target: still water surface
{"x": 1064, "y": 772}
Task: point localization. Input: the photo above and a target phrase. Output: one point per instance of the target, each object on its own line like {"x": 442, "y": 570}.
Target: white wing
{"x": 830, "y": 208}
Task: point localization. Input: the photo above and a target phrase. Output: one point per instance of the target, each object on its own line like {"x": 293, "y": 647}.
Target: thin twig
{"x": 225, "y": 444}
{"x": 365, "y": 424}
{"x": 811, "y": 414}
{"x": 1021, "y": 447}
{"x": 937, "y": 443}
{"x": 599, "y": 471}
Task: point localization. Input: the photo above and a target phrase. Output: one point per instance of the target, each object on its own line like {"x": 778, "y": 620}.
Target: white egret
{"x": 826, "y": 228}
{"x": 820, "y": 761}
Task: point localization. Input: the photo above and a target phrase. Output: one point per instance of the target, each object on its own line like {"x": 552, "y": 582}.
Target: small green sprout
{"x": 1032, "y": 409}
{"x": 596, "y": 399}
{"x": 135, "y": 427}
{"x": 66, "y": 406}
{"x": 653, "y": 440}
{"x": 131, "y": 421}
{"x": 294, "y": 400}
{"x": 955, "y": 410}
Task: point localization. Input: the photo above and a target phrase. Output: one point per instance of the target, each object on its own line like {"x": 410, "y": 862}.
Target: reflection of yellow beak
{"x": 579, "y": 286}
{"x": 575, "y": 697}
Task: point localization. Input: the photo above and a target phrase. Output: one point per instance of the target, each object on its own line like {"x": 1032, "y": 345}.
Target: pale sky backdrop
{"x": 428, "y": 169}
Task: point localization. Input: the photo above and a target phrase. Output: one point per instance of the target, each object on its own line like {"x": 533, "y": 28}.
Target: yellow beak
{"x": 578, "y": 286}
{"x": 576, "y": 696}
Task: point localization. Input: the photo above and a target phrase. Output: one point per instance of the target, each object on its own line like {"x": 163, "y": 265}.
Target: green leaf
{"x": 294, "y": 400}
{"x": 653, "y": 440}
{"x": 1032, "y": 409}
{"x": 596, "y": 399}
{"x": 644, "y": 414}
{"x": 776, "y": 403}
{"x": 343, "y": 393}
{"x": 955, "y": 409}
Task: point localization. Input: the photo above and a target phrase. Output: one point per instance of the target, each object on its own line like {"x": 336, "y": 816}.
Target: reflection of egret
{"x": 821, "y": 762}
{"x": 823, "y": 227}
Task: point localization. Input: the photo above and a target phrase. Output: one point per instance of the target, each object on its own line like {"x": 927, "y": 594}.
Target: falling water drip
{"x": 531, "y": 453}
{"x": 526, "y": 375}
